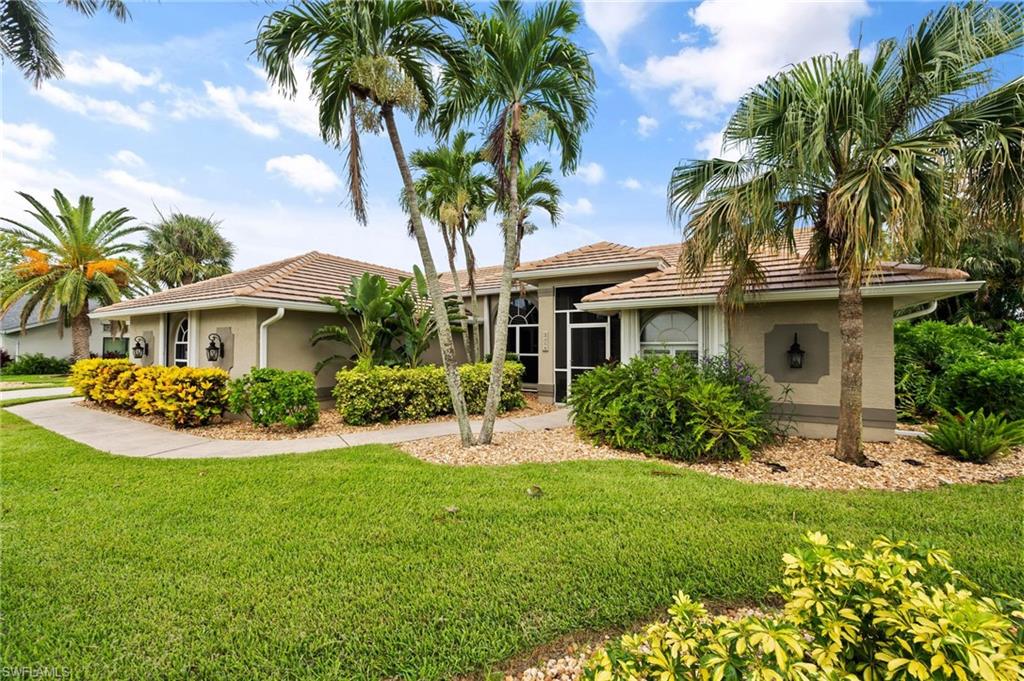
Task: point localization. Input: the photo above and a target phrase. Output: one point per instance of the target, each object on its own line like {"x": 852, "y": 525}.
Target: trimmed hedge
{"x": 382, "y": 394}
{"x": 184, "y": 396}
{"x": 674, "y": 408}
{"x": 274, "y": 397}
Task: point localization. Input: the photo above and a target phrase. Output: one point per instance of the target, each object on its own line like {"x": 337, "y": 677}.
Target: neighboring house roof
{"x": 10, "y": 321}
{"x": 296, "y": 283}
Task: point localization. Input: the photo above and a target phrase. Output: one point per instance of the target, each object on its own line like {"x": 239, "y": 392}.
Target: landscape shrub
{"x": 35, "y": 364}
{"x": 274, "y": 397}
{"x": 674, "y": 408}
{"x": 894, "y": 611}
{"x": 974, "y": 436}
{"x": 5, "y": 358}
{"x": 381, "y": 394}
{"x": 958, "y": 366}
{"x": 184, "y": 396}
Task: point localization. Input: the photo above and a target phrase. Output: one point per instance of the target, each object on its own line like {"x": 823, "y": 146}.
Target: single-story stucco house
{"x": 571, "y": 312}
{"x": 43, "y": 335}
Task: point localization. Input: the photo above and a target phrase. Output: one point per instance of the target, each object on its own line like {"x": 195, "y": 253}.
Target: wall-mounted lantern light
{"x": 141, "y": 348}
{"x": 215, "y": 350}
{"x": 795, "y": 354}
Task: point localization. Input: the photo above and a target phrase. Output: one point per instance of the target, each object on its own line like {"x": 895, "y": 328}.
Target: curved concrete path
{"x": 35, "y": 392}
{"x": 128, "y": 437}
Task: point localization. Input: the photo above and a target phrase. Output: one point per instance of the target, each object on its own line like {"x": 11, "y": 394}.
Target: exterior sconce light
{"x": 141, "y": 348}
{"x": 795, "y": 354}
{"x": 215, "y": 350}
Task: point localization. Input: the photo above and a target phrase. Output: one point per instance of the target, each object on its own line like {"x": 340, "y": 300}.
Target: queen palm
{"x": 530, "y": 79}
{"x": 454, "y": 193}
{"x": 70, "y": 259}
{"x": 183, "y": 249}
{"x": 367, "y": 61}
{"x": 878, "y": 157}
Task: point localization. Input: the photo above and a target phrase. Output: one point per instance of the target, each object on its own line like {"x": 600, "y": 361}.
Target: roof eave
{"x": 927, "y": 291}
{"x": 579, "y": 270}
{"x": 210, "y": 304}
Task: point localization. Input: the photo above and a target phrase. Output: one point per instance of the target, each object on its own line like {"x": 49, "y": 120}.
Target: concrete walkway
{"x": 35, "y": 392}
{"x": 128, "y": 437}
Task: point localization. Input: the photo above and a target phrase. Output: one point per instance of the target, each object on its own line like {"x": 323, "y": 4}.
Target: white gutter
{"x": 552, "y": 272}
{"x": 941, "y": 289}
{"x": 931, "y": 307}
{"x": 232, "y": 301}
{"x": 263, "y": 335}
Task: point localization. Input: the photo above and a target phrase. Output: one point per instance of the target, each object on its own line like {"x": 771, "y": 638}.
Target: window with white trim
{"x": 523, "y": 336}
{"x": 181, "y": 344}
{"x": 671, "y": 332}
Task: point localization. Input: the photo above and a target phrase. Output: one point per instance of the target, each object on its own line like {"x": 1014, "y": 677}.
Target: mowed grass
{"x": 346, "y": 563}
{"x": 37, "y": 380}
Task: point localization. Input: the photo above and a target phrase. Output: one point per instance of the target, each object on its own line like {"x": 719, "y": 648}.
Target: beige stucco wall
{"x": 288, "y": 345}
{"x": 815, "y": 405}
{"x": 242, "y": 346}
{"x": 46, "y": 339}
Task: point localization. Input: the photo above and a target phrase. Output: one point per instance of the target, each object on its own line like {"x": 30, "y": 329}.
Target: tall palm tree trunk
{"x": 81, "y": 329}
{"x": 444, "y": 329}
{"x": 511, "y": 231}
{"x": 467, "y": 252}
{"x": 851, "y": 399}
{"x": 449, "y": 245}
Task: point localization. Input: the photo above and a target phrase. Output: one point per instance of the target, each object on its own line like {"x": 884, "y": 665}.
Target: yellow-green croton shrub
{"x": 893, "y": 611}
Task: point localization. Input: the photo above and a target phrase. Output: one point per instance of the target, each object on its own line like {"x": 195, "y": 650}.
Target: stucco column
{"x": 715, "y": 332}
{"x": 629, "y": 334}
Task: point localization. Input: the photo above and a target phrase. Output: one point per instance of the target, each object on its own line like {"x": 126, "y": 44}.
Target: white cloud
{"x": 143, "y": 188}
{"x": 591, "y": 173}
{"x": 631, "y": 183}
{"x": 104, "y": 71}
{"x": 582, "y": 206}
{"x": 227, "y": 101}
{"x": 100, "y": 109}
{"x": 26, "y": 141}
{"x": 749, "y": 41}
{"x": 645, "y": 125}
{"x": 612, "y": 20}
{"x": 128, "y": 158}
{"x": 711, "y": 146}
{"x": 305, "y": 172}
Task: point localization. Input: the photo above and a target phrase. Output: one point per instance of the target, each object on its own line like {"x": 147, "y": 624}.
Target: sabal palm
{"x": 183, "y": 249}
{"x": 367, "y": 60}
{"x": 70, "y": 259}
{"x": 454, "y": 193}
{"x": 530, "y": 80}
{"x": 26, "y": 40}
{"x": 877, "y": 157}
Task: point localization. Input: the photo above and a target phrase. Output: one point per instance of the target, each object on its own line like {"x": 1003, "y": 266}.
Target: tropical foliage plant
{"x": 997, "y": 257}
{"x": 880, "y": 155}
{"x": 369, "y": 61}
{"x": 274, "y": 397}
{"x": 182, "y": 249}
{"x": 675, "y": 408}
{"x": 70, "y": 258}
{"x": 974, "y": 435}
{"x": 529, "y": 79}
{"x": 34, "y": 364}
{"x": 27, "y": 42}
{"x": 892, "y": 611}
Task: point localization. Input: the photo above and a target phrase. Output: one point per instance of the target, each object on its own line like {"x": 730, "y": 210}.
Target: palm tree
{"x": 26, "y": 40}
{"x": 369, "y": 59}
{"x": 536, "y": 191}
{"x": 878, "y": 157}
{"x": 69, "y": 260}
{"x": 530, "y": 80}
{"x": 455, "y": 196}
{"x": 182, "y": 249}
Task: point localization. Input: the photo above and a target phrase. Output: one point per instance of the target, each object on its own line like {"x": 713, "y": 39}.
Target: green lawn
{"x": 37, "y": 380}
{"x": 345, "y": 564}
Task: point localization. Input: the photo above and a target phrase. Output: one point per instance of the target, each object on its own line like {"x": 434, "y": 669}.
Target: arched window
{"x": 523, "y": 336}
{"x": 181, "y": 344}
{"x": 670, "y": 333}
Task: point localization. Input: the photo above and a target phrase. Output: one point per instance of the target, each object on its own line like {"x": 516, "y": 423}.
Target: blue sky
{"x": 171, "y": 111}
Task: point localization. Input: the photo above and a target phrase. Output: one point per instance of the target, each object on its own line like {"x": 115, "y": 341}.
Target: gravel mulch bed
{"x": 904, "y": 464}
{"x": 236, "y": 428}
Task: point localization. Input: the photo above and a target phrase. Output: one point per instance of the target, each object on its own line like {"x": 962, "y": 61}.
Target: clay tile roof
{"x": 300, "y": 279}
{"x": 783, "y": 271}
{"x": 601, "y": 253}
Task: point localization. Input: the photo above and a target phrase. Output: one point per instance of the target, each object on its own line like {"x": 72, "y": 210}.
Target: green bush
{"x": 894, "y": 611}
{"x": 274, "y": 397}
{"x": 958, "y": 366}
{"x": 974, "y": 436}
{"x": 382, "y": 394}
{"x": 35, "y": 364}
{"x": 674, "y": 408}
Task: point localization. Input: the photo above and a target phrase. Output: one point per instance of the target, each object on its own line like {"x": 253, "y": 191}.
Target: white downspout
{"x": 263, "y": 335}
{"x": 932, "y": 306}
